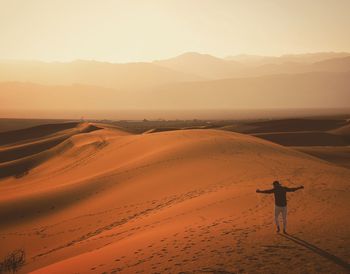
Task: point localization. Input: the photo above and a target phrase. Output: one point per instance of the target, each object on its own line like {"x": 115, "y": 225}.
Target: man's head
{"x": 276, "y": 184}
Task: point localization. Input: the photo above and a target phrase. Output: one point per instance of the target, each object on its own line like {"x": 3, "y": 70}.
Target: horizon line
{"x": 167, "y": 58}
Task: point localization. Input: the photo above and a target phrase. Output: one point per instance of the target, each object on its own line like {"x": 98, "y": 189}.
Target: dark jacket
{"x": 280, "y": 193}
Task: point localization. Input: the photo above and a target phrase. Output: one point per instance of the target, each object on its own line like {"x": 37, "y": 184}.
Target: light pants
{"x": 283, "y": 210}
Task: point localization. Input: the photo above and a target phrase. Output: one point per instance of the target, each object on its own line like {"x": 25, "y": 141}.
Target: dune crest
{"x": 27, "y": 148}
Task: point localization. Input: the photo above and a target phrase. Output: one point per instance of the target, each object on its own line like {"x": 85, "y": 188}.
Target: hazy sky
{"x": 136, "y": 30}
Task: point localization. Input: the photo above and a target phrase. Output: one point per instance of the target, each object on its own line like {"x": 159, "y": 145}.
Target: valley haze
{"x": 191, "y": 81}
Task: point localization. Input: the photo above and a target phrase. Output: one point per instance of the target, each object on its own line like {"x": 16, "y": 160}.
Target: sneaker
{"x": 278, "y": 229}
{"x": 284, "y": 231}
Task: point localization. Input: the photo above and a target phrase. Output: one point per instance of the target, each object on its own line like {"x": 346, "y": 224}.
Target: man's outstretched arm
{"x": 269, "y": 191}
{"x": 292, "y": 189}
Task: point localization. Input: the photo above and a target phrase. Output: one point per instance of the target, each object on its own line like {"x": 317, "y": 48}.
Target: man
{"x": 280, "y": 202}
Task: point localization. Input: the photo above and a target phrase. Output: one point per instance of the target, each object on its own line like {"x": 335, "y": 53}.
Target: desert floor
{"x": 83, "y": 197}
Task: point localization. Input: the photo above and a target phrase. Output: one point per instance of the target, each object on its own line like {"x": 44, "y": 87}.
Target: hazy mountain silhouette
{"x": 30, "y": 96}
{"x": 314, "y": 89}
{"x": 190, "y": 80}
{"x": 119, "y": 76}
{"x": 203, "y": 65}
{"x": 183, "y": 68}
{"x": 335, "y": 64}
{"x": 307, "y": 90}
{"x": 211, "y": 67}
{"x": 341, "y": 64}
{"x": 300, "y": 58}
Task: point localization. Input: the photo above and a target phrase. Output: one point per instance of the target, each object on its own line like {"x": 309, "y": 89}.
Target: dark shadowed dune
{"x": 304, "y": 138}
{"x": 336, "y": 155}
{"x": 297, "y": 132}
{"x": 17, "y": 136}
{"x": 343, "y": 131}
{"x": 291, "y": 125}
{"x": 9, "y": 124}
{"x": 9, "y": 153}
{"x": 21, "y": 166}
{"x": 16, "y": 152}
{"x": 324, "y": 138}
{"x": 17, "y": 160}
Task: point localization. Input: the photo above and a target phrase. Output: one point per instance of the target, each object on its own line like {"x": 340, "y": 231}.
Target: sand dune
{"x": 34, "y": 133}
{"x": 308, "y": 138}
{"x": 174, "y": 201}
{"x": 334, "y": 138}
{"x": 343, "y": 131}
{"x": 297, "y": 132}
{"x": 325, "y": 138}
{"x": 337, "y": 155}
{"x": 16, "y": 124}
{"x": 23, "y": 149}
{"x": 291, "y": 125}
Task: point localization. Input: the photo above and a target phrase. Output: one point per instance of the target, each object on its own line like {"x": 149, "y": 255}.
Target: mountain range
{"x": 190, "y": 80}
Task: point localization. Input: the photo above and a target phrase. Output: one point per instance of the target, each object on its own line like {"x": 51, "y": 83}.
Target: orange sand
{"x": 174, "y": 201}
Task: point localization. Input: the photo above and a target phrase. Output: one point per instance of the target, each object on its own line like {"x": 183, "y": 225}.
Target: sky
{"x": 145, "y": 30}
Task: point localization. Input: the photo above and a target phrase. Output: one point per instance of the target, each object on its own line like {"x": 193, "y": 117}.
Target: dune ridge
{"x": 26, "y": 148}
{"x": 324, "y": 138}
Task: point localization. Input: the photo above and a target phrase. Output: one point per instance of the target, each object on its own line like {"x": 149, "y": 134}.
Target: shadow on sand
{"x": 317, "y": 250}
